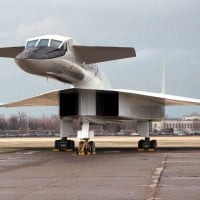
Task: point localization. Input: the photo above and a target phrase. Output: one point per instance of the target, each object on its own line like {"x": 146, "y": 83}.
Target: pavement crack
{"x": 156, "y": 177}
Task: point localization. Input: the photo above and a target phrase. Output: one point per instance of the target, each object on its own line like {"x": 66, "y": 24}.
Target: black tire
{"x": 86, "y": 150}
{"x": 147, "y": 143}
{"x": 141, "y": 144}
{"x": 92, "y": 147}
{"x": 62, "y": 145}
{"x": 56, "y": 144}
{"x": 70, "y": 145}
{"x": 154, "y": 145}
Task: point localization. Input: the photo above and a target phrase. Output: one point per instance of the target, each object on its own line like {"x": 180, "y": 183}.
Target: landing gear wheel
{"x": 56, "y": 144}
{"x": 140, "y": 144}
{"x": 153, "y": 145}
{"x": 81, "y": 143}
{"x": 82, "y": 149}
{"x": 70, "y": 145}
{"x": 64, "y": 145}
{"x": 147, "y": 145}
{"x": 86, "y": 148}
{"x": 92, "y": 149}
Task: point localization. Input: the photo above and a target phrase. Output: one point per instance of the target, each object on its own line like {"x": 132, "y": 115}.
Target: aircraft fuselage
{"x": 42, "y": 57}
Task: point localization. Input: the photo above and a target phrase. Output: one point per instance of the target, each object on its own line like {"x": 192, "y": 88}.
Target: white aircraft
{"x": 91, "y": 99}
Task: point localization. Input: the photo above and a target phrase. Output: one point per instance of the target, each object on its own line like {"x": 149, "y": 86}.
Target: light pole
{"x": 27, "y": 126}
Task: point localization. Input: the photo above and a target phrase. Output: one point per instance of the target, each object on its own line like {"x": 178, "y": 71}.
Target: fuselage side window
{"x": 31, "y": 44}
{"x": 43, "y": 43}
{"x": 55, "y": 43}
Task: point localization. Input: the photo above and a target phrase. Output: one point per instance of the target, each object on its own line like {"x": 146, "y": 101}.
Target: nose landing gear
{"x": 86, "y": 147}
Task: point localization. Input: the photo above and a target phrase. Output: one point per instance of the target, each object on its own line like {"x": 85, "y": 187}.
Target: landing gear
{"x": 147, "y": 145}
{"x": 154, "y": 145}
{"x": 64, "y": 145}
{"x": 86, "y": 148}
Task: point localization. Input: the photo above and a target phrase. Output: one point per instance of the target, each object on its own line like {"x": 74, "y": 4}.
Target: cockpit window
{"x": 47, "y": 42}
{"x": 31, "y": 44}
{"x": 55, "y": 43}
{"x": 43, "y": 43}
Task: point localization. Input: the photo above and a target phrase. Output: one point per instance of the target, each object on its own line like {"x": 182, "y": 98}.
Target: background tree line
{"x": 21, "y": 121}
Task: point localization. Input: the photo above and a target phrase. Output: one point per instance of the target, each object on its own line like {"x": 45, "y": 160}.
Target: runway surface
{"x": 112, "y": 174}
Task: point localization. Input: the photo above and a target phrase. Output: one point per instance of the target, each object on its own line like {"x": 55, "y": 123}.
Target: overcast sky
{"x": 162, "y": 32}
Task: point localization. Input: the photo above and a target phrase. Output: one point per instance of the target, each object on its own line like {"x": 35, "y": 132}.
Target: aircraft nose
{"x": 26, "y": 54}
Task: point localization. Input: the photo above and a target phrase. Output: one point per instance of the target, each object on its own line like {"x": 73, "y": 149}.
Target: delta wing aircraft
{"x": 91, "y": 100}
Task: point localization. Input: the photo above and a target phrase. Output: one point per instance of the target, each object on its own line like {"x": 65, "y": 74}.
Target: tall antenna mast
{"x": 163, "y": 80}
{"x": 163, "y": 89}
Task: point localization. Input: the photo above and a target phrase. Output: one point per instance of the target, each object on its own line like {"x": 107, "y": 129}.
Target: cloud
{"x": 182, "y": 53}
{"x": 148, "y": 53}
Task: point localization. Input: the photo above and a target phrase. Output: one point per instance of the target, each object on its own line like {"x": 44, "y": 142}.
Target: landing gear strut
{"x": 64, "y": 145}
{"x": 147, "y": 145}
{"x": 86, "y": 147}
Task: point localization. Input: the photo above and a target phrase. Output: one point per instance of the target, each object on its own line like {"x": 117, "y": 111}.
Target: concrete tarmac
{"x": 111, "y": 174}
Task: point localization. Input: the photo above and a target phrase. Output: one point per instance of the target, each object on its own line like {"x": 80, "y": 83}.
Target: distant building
{"x": 187, "y": 124}
{"x": 191, "y": 117}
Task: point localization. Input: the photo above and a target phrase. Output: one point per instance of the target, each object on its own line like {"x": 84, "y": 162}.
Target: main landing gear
{"x": 64, "y": 145}
{"x": 147, "y": 145}
{"x": 86, "y": 147}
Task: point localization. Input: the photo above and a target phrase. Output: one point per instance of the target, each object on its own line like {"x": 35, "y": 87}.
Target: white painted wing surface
{"x": 164, "y": 99}
{"x": 52, "y": 98}
{"x": 45, "y": 99}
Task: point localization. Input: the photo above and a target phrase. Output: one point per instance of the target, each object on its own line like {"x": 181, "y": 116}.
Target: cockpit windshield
{"x": 31, "y": 44}
{"x": 43, "y": 43}
{"x": 46, "y": 47}
{"x": 55, "y": 43}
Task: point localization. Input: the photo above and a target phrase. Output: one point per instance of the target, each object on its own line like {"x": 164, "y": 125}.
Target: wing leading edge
{"x": 52, "y": 98}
